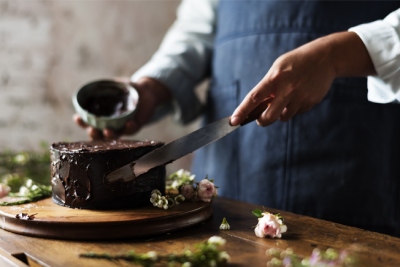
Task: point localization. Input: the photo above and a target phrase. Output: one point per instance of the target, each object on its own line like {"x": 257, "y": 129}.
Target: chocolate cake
{"x": 79, "y": 169}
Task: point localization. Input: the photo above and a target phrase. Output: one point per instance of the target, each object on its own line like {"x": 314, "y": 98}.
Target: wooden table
{"x": 245, "y": 249}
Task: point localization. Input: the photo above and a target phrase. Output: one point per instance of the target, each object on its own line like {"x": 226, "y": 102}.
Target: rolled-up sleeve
{"x": 184, "y": 56}
{"x": 382, "y": 40}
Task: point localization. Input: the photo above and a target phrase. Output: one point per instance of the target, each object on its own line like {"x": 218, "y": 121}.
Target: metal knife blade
{"x": 180, "y": 147}
{"x": 173, "y": 151}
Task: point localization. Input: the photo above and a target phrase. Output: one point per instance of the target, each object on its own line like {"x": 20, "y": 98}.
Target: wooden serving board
{"x": 55, "y": 221}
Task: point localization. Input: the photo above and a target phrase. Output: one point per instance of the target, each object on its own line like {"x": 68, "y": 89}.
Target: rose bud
{"x": 206, "y": 190}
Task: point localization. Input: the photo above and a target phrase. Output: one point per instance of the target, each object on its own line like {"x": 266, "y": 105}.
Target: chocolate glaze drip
{"x": 79, "y": 170}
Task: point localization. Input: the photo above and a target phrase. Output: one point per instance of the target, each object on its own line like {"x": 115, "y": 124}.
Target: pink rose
{"x": 206, "y": 190}
{"x": 270, "y": 225}
{"x": 4, "y": 190}
{"x": 187, "y": 190}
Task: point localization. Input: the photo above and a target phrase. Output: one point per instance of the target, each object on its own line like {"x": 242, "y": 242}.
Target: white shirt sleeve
{"x": 184, "y": 57}
{"x": 382, "y": 40}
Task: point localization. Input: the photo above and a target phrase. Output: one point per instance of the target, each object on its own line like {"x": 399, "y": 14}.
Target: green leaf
{"x": 257, "y": 213}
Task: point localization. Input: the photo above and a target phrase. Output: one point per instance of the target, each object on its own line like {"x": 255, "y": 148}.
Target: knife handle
{"x": 257, "y": 111}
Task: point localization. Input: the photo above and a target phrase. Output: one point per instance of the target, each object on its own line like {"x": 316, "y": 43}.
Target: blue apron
{"x": 341, "y": 160}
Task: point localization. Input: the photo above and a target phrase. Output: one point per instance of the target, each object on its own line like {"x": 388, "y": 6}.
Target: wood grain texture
{"x": 304, "y": 234}
{"x": 54, "y": 221}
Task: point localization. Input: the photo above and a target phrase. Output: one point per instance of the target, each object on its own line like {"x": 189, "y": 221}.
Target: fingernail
{"x": 235, "y": 120}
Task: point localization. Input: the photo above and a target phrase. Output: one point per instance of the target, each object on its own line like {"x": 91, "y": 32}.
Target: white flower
{"x": 187, "y": 264}
{"x": 23, "y": 191}
{"x": 270, "y": 225}
{"x": 152, "y": 255}
{"x": 224, "y": 256}
{"x": 212, "y": 263}
{"x": 175, "y": 184}
{"x": 217, "y": 240}
{"x": 156, "y": 198}
{"x": 191, "y": 177}
{"x": 29, "y": 183}
{"x": 179, "y": 198}
{"x": 4, "y": 190}
{"x": 156, "y": 192}
{"x": 34, "y": 187}
{"x": 180, "y": 172}
{"x": 185, "y": 174}
{"x": 206, "y": 190}
{"x": 21, "y": 158}
{"x": 224, "y": 225}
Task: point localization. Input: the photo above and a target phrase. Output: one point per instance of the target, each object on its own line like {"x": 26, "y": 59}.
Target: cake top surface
{"x": 95, "y": 146}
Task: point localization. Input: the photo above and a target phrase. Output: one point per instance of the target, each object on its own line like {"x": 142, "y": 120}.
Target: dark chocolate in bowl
{"x": 78, "y": 172}
{"x": 112, "y": 100}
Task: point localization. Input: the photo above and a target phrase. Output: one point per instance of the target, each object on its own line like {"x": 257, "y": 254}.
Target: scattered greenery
{"x": 205, "y": 254}
{"x": 179, "y": 178}
{"x": 167, "y": 201}
{"x": 27, "y": 173}
{"x": 29, "y": 192}
{"x": 318, "y": 258}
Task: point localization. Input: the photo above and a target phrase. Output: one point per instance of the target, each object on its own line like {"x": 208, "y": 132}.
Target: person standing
{"x": 329, "y": 151}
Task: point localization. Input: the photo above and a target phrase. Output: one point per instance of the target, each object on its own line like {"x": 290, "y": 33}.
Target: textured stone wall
{"x": 48, "y": 49}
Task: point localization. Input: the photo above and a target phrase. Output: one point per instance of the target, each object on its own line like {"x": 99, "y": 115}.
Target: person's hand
{"x": 151, "y": 95}
{"x": 301, "y": 78}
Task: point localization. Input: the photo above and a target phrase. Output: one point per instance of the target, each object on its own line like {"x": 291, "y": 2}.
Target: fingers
{"x": 79, "y": 121}
{"x": 279, "y": 108}
{"x": 252, "y": 100}
{"x": 273, "y": 112}
{"x": 304, "y": 109}
{"x": 94, "y": 134}
{"x": 282, "y": 107}
{"x": 131, "y": 127}
{"x": 289, "y": 112}
{"x": 110, "y": 134}
{"x": 260, "y": 94}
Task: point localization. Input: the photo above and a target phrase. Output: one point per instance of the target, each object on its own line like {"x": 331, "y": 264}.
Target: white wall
{"x": 48, "y": 49}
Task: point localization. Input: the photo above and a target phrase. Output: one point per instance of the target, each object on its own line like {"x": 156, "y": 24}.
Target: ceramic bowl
{"x": 106, "y": 103}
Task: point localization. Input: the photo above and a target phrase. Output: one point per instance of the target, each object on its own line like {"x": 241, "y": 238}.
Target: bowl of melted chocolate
{"x": 106, "y": 103}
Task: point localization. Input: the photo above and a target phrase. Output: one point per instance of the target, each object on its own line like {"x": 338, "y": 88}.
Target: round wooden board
{"x": 54, "y": 221}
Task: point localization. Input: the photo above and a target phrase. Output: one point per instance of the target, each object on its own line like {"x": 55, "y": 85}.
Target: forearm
{"x": 349, "y": 55}
{"x": 299, "y": 79}
{"x": 343, "y": 53}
